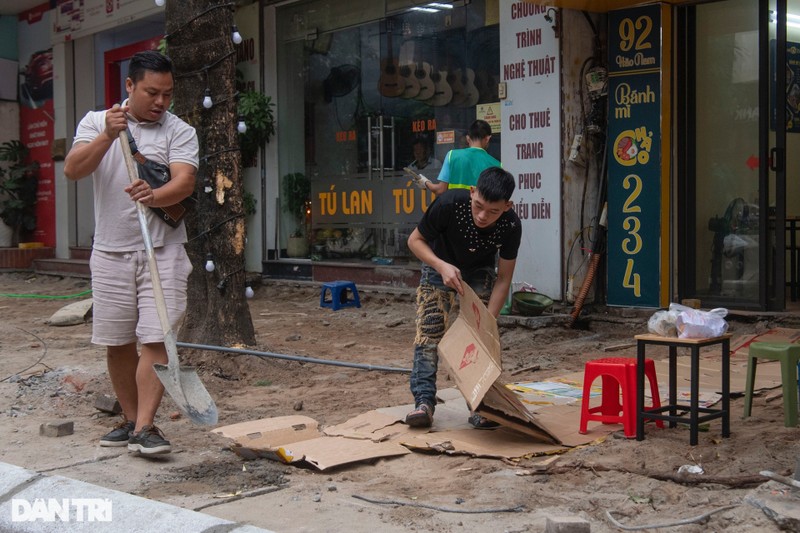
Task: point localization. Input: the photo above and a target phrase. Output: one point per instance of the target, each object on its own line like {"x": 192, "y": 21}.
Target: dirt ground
{"x": 53, "y": 373}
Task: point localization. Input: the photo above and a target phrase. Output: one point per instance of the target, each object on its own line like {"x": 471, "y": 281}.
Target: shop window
{"x": 362, "y": 96}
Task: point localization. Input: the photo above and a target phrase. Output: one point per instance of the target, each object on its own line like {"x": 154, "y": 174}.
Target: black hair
{"x": 151, "y": 60}
{"x": 496, "y": 184}
{"x": 479, "y": 130}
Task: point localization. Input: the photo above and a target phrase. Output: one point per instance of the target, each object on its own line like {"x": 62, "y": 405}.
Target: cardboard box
{"x": 471, "y": 352}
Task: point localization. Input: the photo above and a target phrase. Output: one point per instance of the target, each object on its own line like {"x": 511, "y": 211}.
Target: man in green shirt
{"x": 462, "y": 166}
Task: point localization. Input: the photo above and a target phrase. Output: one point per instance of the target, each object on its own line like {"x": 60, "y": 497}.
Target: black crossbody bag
{"x": 156, "y": 175}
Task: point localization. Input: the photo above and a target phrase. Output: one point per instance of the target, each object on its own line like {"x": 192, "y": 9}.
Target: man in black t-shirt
{"x": 458, "y": 240}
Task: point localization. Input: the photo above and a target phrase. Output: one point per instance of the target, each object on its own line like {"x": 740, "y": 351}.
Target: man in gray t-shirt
{"x": 124, "y": 309}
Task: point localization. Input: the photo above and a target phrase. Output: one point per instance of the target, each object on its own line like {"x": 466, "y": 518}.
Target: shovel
{"x": 182, "y": 384}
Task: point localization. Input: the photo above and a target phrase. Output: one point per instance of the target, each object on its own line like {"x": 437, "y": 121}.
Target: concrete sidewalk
{"x": 39, "y": 503}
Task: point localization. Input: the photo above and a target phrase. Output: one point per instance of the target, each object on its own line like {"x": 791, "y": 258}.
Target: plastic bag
{"x": 697, "y": 324}
{"x": 687, "y": 323}
{"x": 663, "y": 323}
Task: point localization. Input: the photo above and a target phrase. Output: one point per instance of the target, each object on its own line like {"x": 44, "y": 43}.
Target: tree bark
{"x": 200, "y": 45}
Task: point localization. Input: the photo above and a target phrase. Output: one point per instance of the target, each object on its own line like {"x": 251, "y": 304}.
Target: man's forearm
{"x": 498, "y": 297}
{"x": 84, "y": 158}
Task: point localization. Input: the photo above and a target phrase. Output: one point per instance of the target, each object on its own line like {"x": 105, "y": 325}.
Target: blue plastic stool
{"x": 339, "y": 291}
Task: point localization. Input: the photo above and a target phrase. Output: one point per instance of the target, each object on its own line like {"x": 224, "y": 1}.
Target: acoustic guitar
{"x": 426, "y": 85}
{"x": 442, "y": 92}
{"x": 453, "y": 78}
{"x": 390, "y": 82}
{"x": 486, "y": 84}
{"x": 422, "y": 73}
{"x": 409, "y": 81}
{"x": 470, "y": 92}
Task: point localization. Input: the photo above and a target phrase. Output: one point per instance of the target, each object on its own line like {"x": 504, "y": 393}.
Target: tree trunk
{"x": 203, "y": 52}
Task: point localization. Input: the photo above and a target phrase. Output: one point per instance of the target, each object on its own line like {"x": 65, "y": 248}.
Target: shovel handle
{"x": 161, "y": 304}
{"x": 186, "y": 389}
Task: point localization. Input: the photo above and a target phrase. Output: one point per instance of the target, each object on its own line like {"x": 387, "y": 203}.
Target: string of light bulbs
{"x": 208, "y": 103}
{"x": 236, "y": 37}
{"x": 241, "y": 127}
{"x": 210, "y": 267}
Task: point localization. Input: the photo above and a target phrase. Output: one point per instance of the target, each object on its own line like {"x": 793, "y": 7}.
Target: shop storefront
{"x": 362, "y": 83}
{"x": 737, "y": 199}
{"x": 360, "y": 86}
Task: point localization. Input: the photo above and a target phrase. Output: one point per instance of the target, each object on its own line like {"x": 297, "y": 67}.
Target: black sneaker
{"x": 149, "y": 441}
{"x": 479, "y": 422}
{"x": 119, "y": 435}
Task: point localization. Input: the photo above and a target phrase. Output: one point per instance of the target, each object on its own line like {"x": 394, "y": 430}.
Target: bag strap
{"x": 134, "y": 149}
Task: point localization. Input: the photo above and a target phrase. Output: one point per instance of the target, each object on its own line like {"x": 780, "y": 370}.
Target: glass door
{"x": 360, "y": 98}
{"x": 786, "y": 198}
{"x": 731, "y": 160}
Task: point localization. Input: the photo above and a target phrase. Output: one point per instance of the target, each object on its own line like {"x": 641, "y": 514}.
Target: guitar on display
{"x": 390, "y": 83}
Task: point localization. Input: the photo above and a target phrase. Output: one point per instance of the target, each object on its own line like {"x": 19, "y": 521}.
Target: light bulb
{"x": 160, "y": 3}
{"x": 210, "y": 263}
{"x": 235, "y": 35}
{"x": 207, "y": 103}
{"x": 242, "y": 127}
{"x": 248, "y": 292}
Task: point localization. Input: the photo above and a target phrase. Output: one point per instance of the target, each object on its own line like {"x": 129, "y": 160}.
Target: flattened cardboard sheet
{"x": 327, "y": 452}
{"x": 292, "y": 439}
{"x": 269, "y": 433}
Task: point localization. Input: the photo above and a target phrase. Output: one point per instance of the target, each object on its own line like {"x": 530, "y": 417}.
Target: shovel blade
{"x": 188, "y": 392}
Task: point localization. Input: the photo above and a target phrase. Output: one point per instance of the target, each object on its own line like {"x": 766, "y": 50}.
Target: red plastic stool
{"x": 618, "y": 374}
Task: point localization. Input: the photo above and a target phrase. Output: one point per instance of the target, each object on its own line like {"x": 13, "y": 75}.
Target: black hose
{"x": 270, "y": 355}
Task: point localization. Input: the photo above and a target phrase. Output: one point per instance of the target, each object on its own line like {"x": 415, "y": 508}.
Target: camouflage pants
{"x": 437, "y": 306}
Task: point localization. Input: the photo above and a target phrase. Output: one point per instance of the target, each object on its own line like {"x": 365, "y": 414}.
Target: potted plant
{"x": 249, "y": 203}
{"x": 255, "y": 109}
{"x": 18, "y": 182}
{"x": 296, "y": 192}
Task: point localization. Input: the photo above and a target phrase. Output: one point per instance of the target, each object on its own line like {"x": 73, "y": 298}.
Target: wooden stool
{"x": 789, "y": 356}
{"x": 669, "y": 412}
{"x": 339, "y": 291}
{"x": 618, "y": 375}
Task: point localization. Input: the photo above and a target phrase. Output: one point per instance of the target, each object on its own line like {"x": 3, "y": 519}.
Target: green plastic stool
{"x": 789, "y": 356}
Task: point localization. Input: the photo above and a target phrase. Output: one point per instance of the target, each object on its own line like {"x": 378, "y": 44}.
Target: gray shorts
{"x": 124, "y": 307}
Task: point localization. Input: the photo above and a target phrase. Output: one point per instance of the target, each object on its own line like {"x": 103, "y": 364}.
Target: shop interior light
{"x": 440, "y": 6}
{"x": 792, "y": 20}
{"x": 425, "y": 9}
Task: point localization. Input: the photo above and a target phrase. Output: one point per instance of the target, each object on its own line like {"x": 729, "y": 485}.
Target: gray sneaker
{"x": 119, "y": 435}
{"x": 149, "y": 441}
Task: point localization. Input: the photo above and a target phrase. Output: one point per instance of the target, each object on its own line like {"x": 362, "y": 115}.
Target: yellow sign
{"x": 490, "y": 113}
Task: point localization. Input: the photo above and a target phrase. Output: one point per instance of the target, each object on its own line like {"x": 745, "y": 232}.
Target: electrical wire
{"x": 594, "y": 60}
{"x": 579, "y": 238}
{"x": 212, "y": 228}
{"x": 44, "y": 353}
{"x": 229, "y": 5}
{"x": 581, "y": 97}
